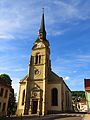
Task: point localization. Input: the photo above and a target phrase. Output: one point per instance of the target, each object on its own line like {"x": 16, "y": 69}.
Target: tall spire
{"x": 42, "y": 26}
{"x": 42, "y": 32}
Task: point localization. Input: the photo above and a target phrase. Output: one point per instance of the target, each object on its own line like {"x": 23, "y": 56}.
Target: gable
{"x": 24, "y": 79}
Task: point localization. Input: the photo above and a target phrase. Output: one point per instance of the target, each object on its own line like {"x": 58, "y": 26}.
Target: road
{"x": 49, "y": 117}
{"x": 61, "y": 117}
{"x": 69, "y": 118}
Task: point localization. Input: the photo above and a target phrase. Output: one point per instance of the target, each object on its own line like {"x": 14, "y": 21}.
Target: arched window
{"x": 36, "y": 62}
{"x": 23, "y": 96}
{"x": 38, "y": 58}
{"x": 54, "y": 97}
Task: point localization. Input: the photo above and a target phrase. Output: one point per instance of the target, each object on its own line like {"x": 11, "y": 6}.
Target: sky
{"x": 67, "y": 24}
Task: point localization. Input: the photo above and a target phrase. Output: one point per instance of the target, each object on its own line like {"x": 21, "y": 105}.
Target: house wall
{"x": 83, "y": 107}
{"x": 64, "y": 98}
{"x": 88, "y": 98}
{"x": 67, "y": 98}
{"x": 20, "y": 107}
{"x": 50, "y": 107}
{"x": 4, "y": 100}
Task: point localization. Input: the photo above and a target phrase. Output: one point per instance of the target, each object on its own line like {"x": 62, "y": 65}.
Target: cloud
{"x": 6, "y": 36}
{"x": 19, "y": 69}
{"x": 77, "y": 61}
{"x": 74, "y": 9}
{"x": 6, "y": 48}
{"x": 58, "y": 32}
{"x": 72, "y": 65}
{"x": 12, "y": 69}
{"x": 16, "y": 20}
{"x": 68, "y": 12}
{"x": 74, "y": 71}
{"x": 12, "y": 64}
{"x": 84, "y": 58}
{"x": 66, "y": 78}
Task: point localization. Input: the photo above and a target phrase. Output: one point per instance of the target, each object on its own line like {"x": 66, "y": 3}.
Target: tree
{"x": 6, "y": 78}
{"x": 80, "y": 94}
{"x": 12, "y": 106}
{"x": 77, "y": 96}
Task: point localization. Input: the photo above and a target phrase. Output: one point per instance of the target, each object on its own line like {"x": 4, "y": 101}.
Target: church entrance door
{"x": 34, "y": 106}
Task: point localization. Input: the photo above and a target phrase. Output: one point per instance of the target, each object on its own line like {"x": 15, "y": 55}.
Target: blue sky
{"x": 68, "y": 31}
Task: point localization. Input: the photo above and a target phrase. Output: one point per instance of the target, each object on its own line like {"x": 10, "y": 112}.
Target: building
{"x": 79, "y": 101}
{"x": 82, "y": 105}
{"x": 42, "y": 91}
{"x": 5, "y": 87}
{"x": 87, "y": 91}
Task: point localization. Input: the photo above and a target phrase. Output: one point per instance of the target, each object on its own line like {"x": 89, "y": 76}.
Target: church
{"x": 42, "y": 91}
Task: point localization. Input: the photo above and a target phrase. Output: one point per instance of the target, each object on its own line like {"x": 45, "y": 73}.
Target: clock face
{"x": 39, "y": 45}
{"x": 37, "y": 72}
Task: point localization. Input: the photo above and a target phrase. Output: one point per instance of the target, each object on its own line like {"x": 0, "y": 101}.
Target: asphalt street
{"x": 70, "y": 118}
{"x": 48, "y": 117}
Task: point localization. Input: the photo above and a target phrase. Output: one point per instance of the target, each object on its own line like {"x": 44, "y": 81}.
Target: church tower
{"x": 40, "y": 58}
{"x": 34, "y": 97}
{"x": 39, "y": 68}
{"x": 42, "y": 91}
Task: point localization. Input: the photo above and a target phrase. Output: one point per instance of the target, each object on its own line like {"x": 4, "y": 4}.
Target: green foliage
{"x": 77, "y": 96}
{"x": 80, "y": 94}
{"x": 12, "y": 103}
{"x": 6, "y": 78}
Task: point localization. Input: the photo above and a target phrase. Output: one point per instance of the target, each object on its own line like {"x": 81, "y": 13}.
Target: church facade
{"x": 42, "y": 91}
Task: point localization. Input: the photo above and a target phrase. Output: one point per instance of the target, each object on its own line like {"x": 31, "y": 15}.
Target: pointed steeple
{"x": 42, "y": 32}
{"x": 42, "y": 26}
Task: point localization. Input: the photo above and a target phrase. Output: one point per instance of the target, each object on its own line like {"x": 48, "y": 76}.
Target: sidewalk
{"x": 86, "y": 117}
